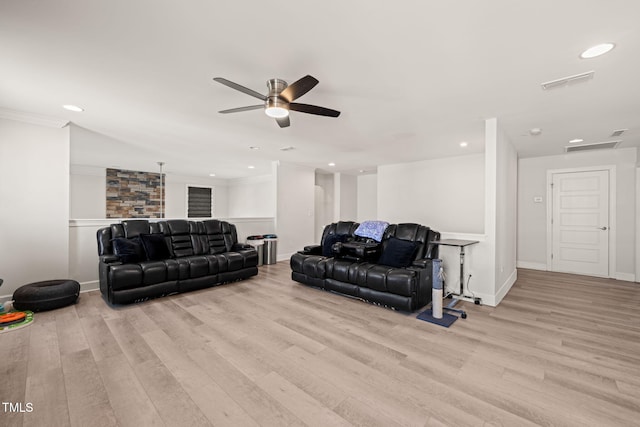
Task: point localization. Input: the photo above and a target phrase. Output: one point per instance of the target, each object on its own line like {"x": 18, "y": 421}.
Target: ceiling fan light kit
{"x": 275, "y": 106}
{"x": 275, "y": 109}
{"x": 279, "y": 101}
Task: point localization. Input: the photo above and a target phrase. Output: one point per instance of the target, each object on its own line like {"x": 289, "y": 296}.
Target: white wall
{"x": 88, "y": 193}
{"x": 176, "y": 195}
{"x": 324, "y": 202}
{"x": 637, "y": 271}
{"x": 448, "y": 196}
{"x": 96, "y": 149}
{"x": 468, "y": 197}
{"x": 532, "y": 225}
{"x": 83, "y": 251}
{"x": 506, "y": 203}
{"x": 336, "y": 199}
{"x": 445, "y": 194}
{"x": 295, "y": 210}
{"x": 345, "y": 196}
{"x": 367, "y": 197}
{"x": 34, "y": 190}
{"x": 251, "y": 197}
{"x": 490, "y": 265}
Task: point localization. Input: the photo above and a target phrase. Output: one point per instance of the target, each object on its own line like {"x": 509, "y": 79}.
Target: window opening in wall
{"x": 199, "y": 202}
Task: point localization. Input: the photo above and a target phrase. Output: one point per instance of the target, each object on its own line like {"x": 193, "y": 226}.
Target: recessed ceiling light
{"x": 362, "y": 171}
{"x": 254, "y": 147}
{"x": 251, "y": 167}
{"x": 212, "y": 174}
{"x": 463, "y": 144}
{"x": 74, "y": 108}
{"x": 288, "y": 148}
{"x": 597, "y": 50}
{"x": 576, "y": 140}
{"x": 332, "y": 164}
{"x": 535, "y": 131}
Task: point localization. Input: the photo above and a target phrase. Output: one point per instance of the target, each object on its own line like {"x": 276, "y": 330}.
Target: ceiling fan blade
{"x": 283, "y": 122}
{"x": 299, "y": 88}
{"x": 240, "y": 109}
{"x": 313, "y": 109}
{"x": 241, "y": 88}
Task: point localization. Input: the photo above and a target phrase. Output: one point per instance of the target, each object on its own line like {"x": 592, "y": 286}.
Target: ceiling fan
{"x": 279, "y": 101}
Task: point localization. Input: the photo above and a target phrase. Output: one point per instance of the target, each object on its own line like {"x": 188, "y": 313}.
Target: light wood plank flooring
{"x": 560, "y": 350}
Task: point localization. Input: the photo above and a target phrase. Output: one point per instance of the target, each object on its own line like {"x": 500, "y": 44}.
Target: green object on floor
{"x": 26, "y": 322}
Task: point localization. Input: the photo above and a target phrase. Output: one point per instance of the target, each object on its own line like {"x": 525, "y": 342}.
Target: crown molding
{"x": 36, "y": 119}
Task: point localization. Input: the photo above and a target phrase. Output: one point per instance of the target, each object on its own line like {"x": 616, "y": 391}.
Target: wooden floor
{"x": 560, "y": 350}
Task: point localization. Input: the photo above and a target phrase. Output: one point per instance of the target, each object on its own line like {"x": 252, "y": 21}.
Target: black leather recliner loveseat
{"x": 139, "y": 259}
{"x": 366, "y": 274}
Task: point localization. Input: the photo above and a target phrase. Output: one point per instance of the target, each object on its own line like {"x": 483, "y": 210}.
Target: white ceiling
{"x": 412, "y": 78}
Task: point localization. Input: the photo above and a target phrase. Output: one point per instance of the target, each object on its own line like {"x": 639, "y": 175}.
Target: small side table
{"x": 461, "y": 244}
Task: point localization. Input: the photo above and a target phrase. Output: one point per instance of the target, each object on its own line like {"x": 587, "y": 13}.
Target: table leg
{"x": 453, "y": 303}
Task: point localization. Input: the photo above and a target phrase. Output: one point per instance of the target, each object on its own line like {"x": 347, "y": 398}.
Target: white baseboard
{"x": 627, "y": 277}
{"x": 506, "y": 286}
{"x": 284, "y": 257}
{"x": 531, "y": 265}
{"x": 93, "y": 285}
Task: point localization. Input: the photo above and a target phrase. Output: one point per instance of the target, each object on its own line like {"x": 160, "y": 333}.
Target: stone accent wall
{"x": 133, "y": 194}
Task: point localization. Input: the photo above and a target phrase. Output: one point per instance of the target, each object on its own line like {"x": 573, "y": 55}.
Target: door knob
{"x": 602, "y": 228}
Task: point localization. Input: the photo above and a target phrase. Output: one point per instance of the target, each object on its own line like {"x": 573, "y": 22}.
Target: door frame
{"x": 612, "y": 212}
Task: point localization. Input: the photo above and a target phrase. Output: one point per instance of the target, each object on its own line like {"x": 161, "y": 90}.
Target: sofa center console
{"x": 359, "y": 251}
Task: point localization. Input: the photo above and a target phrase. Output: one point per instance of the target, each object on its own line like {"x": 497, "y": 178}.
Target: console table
{"x": 460, "y": 244}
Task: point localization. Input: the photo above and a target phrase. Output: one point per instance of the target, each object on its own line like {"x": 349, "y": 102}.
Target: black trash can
{"x": 270, "y": 248}
{"x": 257, "y": 242}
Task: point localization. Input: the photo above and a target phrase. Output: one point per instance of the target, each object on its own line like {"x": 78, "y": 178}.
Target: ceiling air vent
{"x": 596, "y": 146}
{"x": 619, "y": 132}
{"x": 567, "y": 80}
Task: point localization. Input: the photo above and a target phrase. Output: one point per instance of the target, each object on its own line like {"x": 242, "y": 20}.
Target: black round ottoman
{"x": 47, "y": 295}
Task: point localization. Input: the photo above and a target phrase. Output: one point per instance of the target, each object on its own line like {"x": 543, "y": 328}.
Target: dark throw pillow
{"x": 128, "y": 250}
{"x": 330, "y": 240}
{"x": 155, "y": 247}
{"x": 398, "y": 253}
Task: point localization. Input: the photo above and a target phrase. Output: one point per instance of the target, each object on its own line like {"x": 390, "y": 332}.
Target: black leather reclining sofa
{"x": 139, "y": 259}
{"x": 362, "y": 273}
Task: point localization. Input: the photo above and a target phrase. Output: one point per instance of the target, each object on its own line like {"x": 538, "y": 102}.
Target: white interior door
{"x": 580, "y": 223}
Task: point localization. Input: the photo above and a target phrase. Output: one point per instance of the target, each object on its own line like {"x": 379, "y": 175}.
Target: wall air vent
{"x": 567, "y": 80}
{"x": 596, "y": 146}
{"x": 619, "y": 132}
